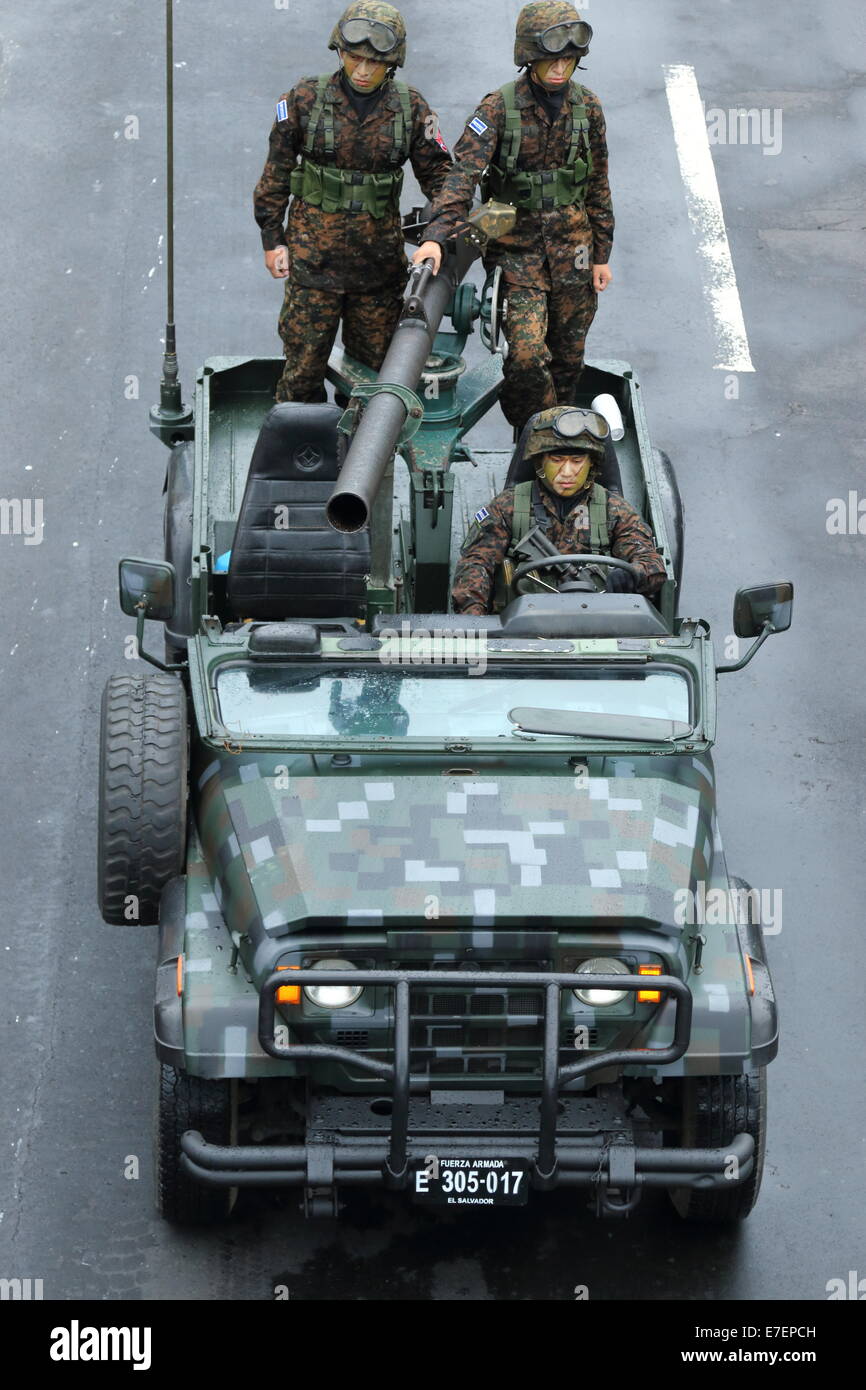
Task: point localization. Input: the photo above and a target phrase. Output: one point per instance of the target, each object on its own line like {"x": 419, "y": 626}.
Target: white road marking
{"x": 707, "y": 218}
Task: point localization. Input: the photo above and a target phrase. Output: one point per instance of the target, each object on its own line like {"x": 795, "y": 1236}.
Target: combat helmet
{"x": 550, "y": 29}
{"x": 566, "y": 429}
{"x": 369, "y": 29}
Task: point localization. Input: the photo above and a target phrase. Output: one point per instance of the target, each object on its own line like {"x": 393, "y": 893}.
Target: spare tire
{"x": 142, "y": 794}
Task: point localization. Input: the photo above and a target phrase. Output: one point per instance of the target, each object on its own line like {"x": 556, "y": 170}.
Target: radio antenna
{"x": 171, "y": 421}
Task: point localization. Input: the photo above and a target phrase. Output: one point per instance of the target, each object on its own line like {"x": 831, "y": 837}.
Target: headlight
{"x": 333, "y": 996}
{"x": 602, "y": 965}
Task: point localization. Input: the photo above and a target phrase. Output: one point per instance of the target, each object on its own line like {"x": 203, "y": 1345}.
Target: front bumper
{"x": 566, "y": 1141}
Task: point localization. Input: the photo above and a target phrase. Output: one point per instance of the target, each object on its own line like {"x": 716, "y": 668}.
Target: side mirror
{"x": 761, "y": 604}
{"x": 150, "y": 583}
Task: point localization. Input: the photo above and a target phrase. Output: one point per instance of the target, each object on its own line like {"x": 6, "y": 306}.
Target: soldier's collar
{"x": 554, "y": 502}
{"x": 525, "y": 96}
{"x": 391, "y": 97}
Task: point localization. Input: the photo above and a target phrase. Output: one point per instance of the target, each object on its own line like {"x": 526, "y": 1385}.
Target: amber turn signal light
{"x": 289, "y": 994}
{"x": 649, "y": 996}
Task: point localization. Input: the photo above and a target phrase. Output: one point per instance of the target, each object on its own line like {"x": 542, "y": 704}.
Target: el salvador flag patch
{"x": 482, "y": 515}
{"x": 282, "y": 110}
{"x": 478, "y": 125}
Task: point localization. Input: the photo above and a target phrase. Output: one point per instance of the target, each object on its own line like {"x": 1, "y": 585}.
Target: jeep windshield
{"x": 331, "y": 701}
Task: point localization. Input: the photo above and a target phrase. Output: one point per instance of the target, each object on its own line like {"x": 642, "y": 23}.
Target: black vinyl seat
{"x": 287, "y": 560}
{"x": 522, "y": 470}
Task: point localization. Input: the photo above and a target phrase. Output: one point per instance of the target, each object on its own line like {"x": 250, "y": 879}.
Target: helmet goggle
{"x": 574, "y": 422}
{"x": 372, "y": 31}
{"x": 561, "y": 36}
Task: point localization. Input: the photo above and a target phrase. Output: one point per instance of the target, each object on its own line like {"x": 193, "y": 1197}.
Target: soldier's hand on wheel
{"x": 620, "y": 582}
{"x": 277, "y": 262}
{"x": 601, "y": 278}
{"x": 429, "y": 251}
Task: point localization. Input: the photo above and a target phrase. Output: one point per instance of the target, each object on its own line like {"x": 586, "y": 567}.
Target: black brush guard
{"x": 554, "y": 1160}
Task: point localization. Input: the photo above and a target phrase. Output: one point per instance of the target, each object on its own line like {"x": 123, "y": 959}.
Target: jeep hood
{"x": 380, "y": 844}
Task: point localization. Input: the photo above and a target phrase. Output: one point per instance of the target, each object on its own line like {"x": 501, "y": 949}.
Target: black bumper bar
{"x": 610, "y": 1162}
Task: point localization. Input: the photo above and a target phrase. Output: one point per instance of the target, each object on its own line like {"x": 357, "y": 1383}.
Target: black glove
{"x": 620, "y": 582}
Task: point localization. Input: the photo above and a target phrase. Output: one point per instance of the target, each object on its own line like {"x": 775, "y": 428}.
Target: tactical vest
{"x": 526, "y": 515}
{"x": 349, "y": 190}
{"x": 543, "y": 189}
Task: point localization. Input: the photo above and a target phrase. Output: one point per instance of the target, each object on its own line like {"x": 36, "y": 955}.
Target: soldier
{"x": 539, "y": 143}
{"x": 337, "y": 148}
{"x": 576, "y": 513}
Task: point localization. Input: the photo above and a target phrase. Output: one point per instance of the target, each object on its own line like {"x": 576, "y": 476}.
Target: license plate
{"x": 471, "y": 1182}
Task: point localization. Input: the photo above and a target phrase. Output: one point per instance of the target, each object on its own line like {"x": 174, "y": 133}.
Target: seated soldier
{"x": 576, "y": 513}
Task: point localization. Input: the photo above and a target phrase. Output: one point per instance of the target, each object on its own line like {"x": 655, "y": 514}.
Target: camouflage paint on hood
{"x": 380, "y": 844}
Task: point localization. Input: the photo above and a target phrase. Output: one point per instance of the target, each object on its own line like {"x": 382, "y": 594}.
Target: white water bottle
{"x": 607, "y": 406}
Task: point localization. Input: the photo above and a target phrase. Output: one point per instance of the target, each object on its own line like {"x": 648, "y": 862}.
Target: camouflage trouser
{"x": 308, "y": 326}
{"x": 546, "y": 333}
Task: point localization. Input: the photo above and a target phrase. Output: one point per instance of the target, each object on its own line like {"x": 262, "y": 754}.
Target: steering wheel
{"x": 552, "y": 561}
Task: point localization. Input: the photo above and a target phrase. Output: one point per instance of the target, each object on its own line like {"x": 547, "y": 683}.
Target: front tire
{"x": 714, "y": 1110}
{"x": 142, "y": 794}
{"x": 192, "y": 1102}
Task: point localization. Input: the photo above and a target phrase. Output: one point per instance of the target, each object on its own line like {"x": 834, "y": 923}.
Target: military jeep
{"x": 428, "y": 888}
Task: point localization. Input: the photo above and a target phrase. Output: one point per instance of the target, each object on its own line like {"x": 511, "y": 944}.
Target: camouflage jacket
{"x": 544, "y": 246}
{"x": 344, "y": 251}
{"x": 489, "y": 538}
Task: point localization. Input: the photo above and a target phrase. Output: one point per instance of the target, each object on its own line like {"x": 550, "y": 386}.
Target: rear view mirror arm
{"x": 141, "y": 610}
{"x": 744, "y": 660}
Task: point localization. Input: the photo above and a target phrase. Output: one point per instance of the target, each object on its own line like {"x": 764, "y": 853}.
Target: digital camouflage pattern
{"x": 548, "y": 256}
{"x": 290, "y": 863}
{"x": 534, "y": 19}
{"x": 340, "y": 254}
{"x": 558, "y": 246}
{"x": 345, "y": 252}
{"x": 546, "y": 335}
{"x": 544, "y": 439}
{"x": 308, "y": 326}
{"x": 487, "y": 543}
{"x": 385, "y": 14}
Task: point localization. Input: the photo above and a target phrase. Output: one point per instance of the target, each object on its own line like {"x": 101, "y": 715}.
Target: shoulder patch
{"x": 482, "y": 515}
{"x": 478, "y": 125}
{"x": 282, "y": 110}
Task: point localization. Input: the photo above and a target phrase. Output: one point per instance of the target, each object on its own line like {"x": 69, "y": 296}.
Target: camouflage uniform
{"x": 488, "y": 541}
{"x": 343, "y": 264}
{"x": 547, "y": 260}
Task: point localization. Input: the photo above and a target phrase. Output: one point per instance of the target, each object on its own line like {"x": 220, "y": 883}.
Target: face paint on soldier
{"x": 566, "y": 474}
{"x": 364, "y": 74}
{"x": 554, "y": 74}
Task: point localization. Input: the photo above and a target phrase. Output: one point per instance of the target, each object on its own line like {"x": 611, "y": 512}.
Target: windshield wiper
{"x": 573, "y": 723}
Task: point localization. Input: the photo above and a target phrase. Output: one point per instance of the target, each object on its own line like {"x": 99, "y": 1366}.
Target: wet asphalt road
{"x": 83, "y": 312}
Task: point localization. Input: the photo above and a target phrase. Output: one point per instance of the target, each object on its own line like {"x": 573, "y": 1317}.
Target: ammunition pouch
{"x": 347, "y": 190}
{"x": 538, "y": 190}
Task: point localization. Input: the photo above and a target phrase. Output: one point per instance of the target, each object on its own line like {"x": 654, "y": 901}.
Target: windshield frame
{"x": 205, "y": 673}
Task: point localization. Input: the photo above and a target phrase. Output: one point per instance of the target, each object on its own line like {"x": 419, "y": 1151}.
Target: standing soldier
{"x": 539, "y": 143}
{"x": 337, "y": 147}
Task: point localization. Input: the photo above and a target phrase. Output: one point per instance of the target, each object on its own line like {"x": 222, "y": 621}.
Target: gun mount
{"x": 386, "y": 414}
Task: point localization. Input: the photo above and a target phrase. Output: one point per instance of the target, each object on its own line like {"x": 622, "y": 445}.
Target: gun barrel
{"x": 375, "y": 440}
